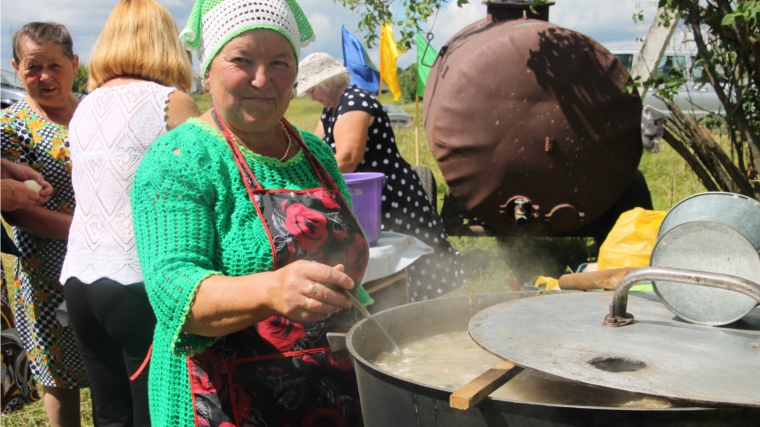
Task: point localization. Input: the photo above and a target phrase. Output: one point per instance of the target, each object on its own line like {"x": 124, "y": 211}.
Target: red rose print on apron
{"x": 281, "y": 372}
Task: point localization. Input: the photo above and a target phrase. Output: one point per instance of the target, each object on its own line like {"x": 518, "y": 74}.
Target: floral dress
{"x": 51, "y": 348}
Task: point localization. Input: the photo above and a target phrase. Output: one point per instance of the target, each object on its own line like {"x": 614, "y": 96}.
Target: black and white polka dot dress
{"x": 406, "y": 207}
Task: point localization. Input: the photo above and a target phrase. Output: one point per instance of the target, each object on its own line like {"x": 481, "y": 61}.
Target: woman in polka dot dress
{"x": 357, "y": 128}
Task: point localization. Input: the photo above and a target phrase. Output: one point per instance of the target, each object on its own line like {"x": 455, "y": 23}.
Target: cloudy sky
{"x": 607, "y": 21}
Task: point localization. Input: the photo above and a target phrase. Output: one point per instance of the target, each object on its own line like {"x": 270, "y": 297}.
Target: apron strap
{"x": 144, "y": 364}
{"x": 322, "y": 174}
{"x": 281, "y": 355}
{"x": 249, "y": 179}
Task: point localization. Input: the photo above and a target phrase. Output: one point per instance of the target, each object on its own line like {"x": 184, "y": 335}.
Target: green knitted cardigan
{"x": 193, "y": 219}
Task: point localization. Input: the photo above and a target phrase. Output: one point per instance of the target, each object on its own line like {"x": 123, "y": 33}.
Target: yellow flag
{"x": 388, "y": 55}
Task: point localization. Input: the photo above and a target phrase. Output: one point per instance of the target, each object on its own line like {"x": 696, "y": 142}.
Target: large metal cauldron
{"x": 388, "y": 400}
{"x": 530, "y": 125}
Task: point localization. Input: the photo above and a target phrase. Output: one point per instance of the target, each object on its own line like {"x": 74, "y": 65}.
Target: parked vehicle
{"x": 399, "y": 117}
{"x": 696, "y": 98}
{"x": 10, "y": 95}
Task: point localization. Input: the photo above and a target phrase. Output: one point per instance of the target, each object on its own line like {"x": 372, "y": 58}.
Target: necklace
{"x": 287, "y": 135}
{"x": 290, "y": 142}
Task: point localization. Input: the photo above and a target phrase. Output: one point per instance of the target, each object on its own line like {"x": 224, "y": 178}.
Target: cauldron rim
{"x": 443, "y": 394}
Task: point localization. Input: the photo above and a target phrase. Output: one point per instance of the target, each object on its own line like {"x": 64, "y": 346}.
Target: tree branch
{"x": 739, "y": 118}
{"x": 743, "y": 40}
{"x": 692, "y": 161}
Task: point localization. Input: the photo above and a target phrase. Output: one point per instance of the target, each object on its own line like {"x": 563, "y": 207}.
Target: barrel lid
{"x": 712, "y": 247}
{"x": 657, "y": 354}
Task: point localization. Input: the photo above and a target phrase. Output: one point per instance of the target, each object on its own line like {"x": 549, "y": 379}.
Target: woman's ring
{"x": 313, "y": 289}
{"x": 306, "y": 305}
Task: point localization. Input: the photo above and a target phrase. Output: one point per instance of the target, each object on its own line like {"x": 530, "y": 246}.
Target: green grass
{"x": 34, "y": 415}
{"x": 486, "y": 258}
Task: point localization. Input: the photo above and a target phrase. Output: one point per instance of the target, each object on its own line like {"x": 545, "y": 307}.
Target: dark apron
{"x": 281, "y": 372}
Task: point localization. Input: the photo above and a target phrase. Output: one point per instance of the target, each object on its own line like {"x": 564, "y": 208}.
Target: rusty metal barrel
{"x": 530, "y": 123}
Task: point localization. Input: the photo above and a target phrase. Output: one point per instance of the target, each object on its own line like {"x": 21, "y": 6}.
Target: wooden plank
{"x": 478, "y": 389}
{"x": 512, "y": 283}
{"x": 378, "y": 284}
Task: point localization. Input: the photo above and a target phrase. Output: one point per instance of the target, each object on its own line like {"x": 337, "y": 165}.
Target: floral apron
{"x": 281, "y": 372}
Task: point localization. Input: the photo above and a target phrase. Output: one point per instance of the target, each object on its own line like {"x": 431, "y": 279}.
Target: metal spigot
{"x": 523, "y": 209}
{"x": 519, "y": 209}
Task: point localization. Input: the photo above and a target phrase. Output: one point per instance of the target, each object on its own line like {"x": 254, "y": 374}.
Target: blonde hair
{"x": 140, "y": 39}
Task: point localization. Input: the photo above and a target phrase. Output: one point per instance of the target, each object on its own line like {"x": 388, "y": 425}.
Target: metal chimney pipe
{"x": 509, "y": 10}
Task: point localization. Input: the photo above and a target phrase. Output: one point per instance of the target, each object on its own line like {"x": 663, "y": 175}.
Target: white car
{"x": 10, "y": 95}
{"x": 696, "y": 98}
{"x": 399, "y": 118}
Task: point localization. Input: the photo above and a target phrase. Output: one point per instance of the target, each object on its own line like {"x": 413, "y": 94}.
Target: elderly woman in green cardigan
{"x": 246, "y": 239}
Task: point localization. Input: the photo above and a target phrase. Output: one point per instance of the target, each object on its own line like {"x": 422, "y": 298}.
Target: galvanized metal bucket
{"x": 714, "y": 232}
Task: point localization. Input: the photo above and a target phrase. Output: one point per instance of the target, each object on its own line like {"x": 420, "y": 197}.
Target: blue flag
{"x": 361, "y": 69}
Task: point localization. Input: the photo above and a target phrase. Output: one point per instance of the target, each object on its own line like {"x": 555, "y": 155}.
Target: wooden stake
{"x": 380, "y": 71}
{"x": 655, "y": 43}
{"x": 479, "y": 388}
{"x": 416, "y": 127}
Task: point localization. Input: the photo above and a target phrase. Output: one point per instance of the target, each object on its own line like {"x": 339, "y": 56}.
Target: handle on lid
{"x": 618, "y": 315}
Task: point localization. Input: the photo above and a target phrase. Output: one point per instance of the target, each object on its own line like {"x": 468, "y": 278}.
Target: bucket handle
{"x": 618, "y": 315}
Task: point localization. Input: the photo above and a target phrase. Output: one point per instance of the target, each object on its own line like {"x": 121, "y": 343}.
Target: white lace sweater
{"x": 108, "y": 136}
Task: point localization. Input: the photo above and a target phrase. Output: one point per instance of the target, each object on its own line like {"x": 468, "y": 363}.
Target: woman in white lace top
{"x": 137, "y": 74}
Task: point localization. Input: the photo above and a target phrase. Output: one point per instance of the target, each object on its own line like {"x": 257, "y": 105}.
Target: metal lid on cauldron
{"x": 657, "y": 354}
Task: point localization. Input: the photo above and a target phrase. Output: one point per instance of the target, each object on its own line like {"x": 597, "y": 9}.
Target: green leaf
{"x": 728, "y": 20}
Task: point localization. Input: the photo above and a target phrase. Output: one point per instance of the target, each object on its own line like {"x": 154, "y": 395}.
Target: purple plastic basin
{"x": 366, "y": 189}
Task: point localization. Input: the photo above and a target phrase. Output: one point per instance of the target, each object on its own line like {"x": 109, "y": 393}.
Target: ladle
{"x": 363, "y": 310}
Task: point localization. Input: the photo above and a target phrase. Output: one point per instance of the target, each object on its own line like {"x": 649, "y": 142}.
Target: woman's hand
{"x": 224, "y": 305}
{"x": 302, "y": 291}
{"x": 18, "y": 194}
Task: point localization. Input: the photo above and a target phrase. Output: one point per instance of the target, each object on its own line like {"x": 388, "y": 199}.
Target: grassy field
{"x": 486, "y": 258}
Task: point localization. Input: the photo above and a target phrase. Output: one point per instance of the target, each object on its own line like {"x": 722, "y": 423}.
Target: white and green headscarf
{"x": 213, "y": 23}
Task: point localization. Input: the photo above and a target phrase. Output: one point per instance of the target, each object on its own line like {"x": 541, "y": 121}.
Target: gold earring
{"x": 206, "y": 90}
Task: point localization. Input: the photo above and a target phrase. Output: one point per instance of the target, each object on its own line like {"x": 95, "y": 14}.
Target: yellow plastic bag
{"x": 630, "y": 243}
{"x": 550, "y": 282}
